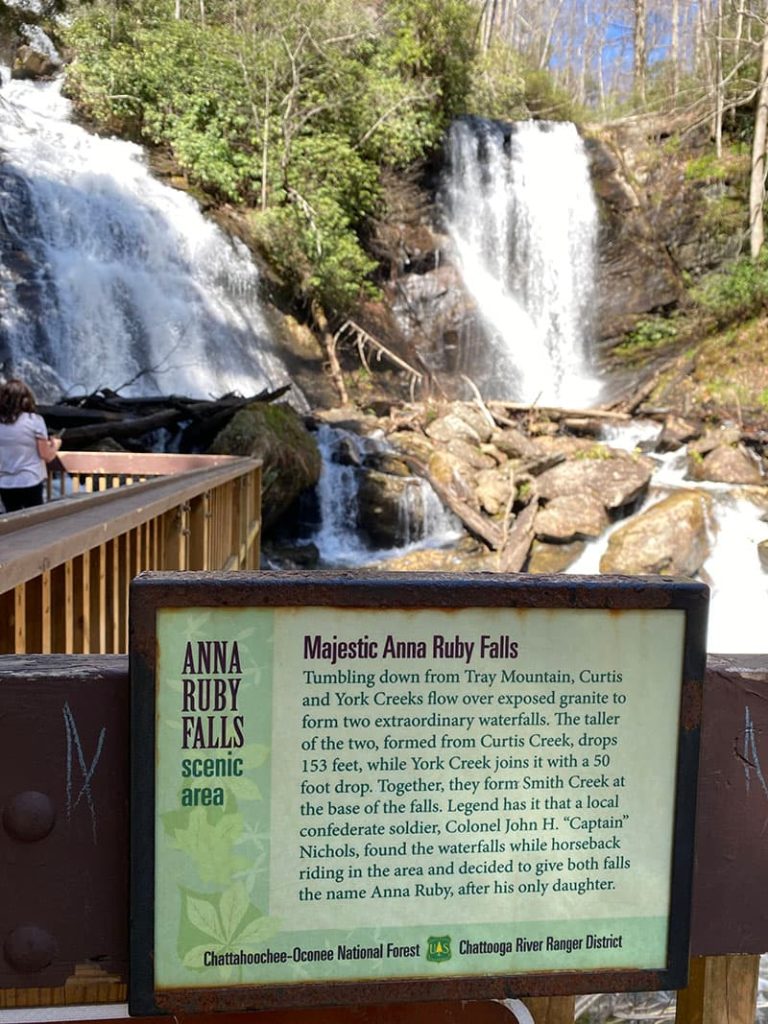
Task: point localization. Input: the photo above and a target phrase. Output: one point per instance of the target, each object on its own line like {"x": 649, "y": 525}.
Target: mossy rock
{"x": 290, "y": 458}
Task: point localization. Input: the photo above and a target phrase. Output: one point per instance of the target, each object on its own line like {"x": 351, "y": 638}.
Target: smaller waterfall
{"x": 519, "y": 208}
{"x": 422, "y": 520}
{"x": 338, "y": 539}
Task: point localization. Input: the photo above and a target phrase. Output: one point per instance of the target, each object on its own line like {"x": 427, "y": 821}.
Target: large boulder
{"x": 571, "y": 517}
{"x": 515, "y": 444}
{"x": 670, "y": 538}
{"x": 32, "y": 63}
{"x": 412, "y": 444}
{"x": 723, "y": 435}
{"x": 472, "y": 455}
{"x": 451, "y": 426}
{"x": 727, "y": 464}
{"x": 454, "y": 474}
{"x": 290, "y": 458}
{"x": 390, "y": 509}
{"x": 618, "y": 479}
{"x": 675, "y": 433}
{"x": 550, "y": 558}
{"x": 495, "y": 489}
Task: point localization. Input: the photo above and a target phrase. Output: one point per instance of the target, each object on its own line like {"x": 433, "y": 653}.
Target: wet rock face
{"x": 670, "y": 538}
{"x": 25, "y": 284}
{"x": 635, "y": 273}
{"x": 654, "y": 228}
{"x": 657, "y": 224}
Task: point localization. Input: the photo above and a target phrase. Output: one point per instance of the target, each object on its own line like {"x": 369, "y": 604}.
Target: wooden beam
{"x": 200, "y": 532}
{"x": 721, "y": 990}
{"x": 554, "y": 1010}
{"x": 20, "y": 619}
{"x": 7, "y": 622}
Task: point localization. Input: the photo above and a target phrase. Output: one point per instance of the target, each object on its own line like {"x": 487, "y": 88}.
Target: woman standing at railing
{"x": 24, "y": 447}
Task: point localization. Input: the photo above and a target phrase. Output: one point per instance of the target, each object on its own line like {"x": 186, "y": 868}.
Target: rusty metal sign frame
{"x": 151, "y": 592}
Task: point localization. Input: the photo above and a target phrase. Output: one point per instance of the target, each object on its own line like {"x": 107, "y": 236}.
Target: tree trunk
{"x": 719, "y": 83}
{"x": 639, "y": 50}
{"x": 757, "y": 177}
{"x": 547, "y": 42}
{"x": 674, "y": 52}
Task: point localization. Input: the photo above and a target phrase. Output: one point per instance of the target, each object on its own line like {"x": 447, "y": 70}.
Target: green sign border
{"x": 153, "y": 592}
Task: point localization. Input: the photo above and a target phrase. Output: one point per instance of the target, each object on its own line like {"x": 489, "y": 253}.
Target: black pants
{"x": 16, "y": 498}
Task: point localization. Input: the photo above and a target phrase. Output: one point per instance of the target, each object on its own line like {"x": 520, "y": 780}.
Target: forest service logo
{"x": 439, "y": 948}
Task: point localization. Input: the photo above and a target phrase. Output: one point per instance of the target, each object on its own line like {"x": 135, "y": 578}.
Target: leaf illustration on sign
{"x": 209, "y": 844}
{"x": 228, "y": 922}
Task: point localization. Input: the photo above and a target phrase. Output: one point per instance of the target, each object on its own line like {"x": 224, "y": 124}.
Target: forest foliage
{"x": 291, "y": 108}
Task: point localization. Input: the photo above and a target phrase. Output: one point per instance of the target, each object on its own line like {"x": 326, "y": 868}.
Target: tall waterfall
{"x": 519, "y": 208}
{"x": 108, "y": 276}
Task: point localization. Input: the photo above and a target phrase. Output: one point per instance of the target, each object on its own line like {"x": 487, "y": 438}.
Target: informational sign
{"x": 426, "y": 786}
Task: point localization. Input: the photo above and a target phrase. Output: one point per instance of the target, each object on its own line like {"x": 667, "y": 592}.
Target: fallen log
{"x": 513, "y": 554}
{"x": 553, "y": 412}
{"x": 213, "y": 414}
{"x": 129, "y": 426}
{"x": 60, "y": 416}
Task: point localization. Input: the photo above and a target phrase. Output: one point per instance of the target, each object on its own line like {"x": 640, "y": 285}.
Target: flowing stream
{"x": 120, "y": 278}
{"x": 739, "y": 587}
{"x": 519, "y": 207}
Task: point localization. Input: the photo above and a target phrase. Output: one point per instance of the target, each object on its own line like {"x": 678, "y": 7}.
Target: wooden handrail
{"x": 65, "y": 567}
{"x": 35, "y": 545}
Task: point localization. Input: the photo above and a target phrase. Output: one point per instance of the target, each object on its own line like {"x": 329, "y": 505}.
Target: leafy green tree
{"x": 288, "y": 106}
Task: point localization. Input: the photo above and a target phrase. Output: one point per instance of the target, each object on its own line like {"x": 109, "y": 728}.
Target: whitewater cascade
{"x": 519, "y": 207}
{"x": 423, "y": 520}
{"x": 107, "y": 275}
{"x": 738, "y": 590}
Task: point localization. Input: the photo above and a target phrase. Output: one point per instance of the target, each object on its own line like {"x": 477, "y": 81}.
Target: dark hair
{"x": 15, "y": 398}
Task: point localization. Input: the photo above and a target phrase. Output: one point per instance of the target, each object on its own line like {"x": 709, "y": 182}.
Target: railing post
{"x": 7, "y": 623}
{"x": 554, "y": 1010}
{"x": 175, "y": 536}
{"x": 721, "y": 990}
{"x": 200, "y": 532}
{"x": 82, "y": 603}
{"x": 20, "y": 618}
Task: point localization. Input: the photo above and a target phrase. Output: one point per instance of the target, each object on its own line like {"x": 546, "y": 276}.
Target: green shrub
{"x": 646, "y": 336}
{"x": 739, "y": 292}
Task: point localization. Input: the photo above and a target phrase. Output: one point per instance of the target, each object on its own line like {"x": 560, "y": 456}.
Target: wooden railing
{"x": 65, "y": 568}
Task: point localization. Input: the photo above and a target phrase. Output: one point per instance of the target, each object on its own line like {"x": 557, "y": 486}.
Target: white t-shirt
{"x": 20, "y": 465}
